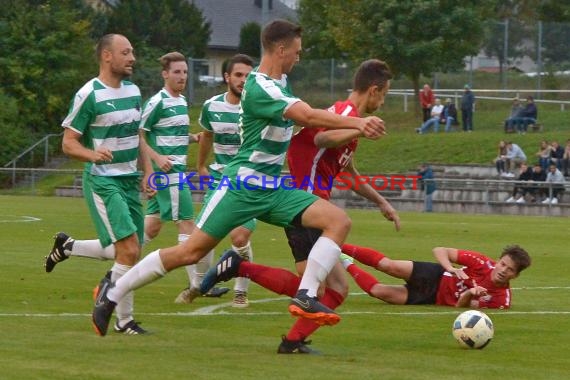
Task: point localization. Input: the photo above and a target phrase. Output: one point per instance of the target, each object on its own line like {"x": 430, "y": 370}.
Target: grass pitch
{"x": 45, "y": 330}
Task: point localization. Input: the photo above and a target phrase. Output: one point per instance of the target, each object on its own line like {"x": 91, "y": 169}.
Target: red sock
{"x": 305, "y": 327}
{"x": 278, "y": 280}
{"x": 364, "y": 279}
{"x": 366, "y": 256}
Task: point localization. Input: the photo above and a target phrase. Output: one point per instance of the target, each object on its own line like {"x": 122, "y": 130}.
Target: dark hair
{"x": 371, "y": 72}
{"x": 104, "y": 43}
{"x": 228, "y": 65}
{"x": 518, "y": 255}
{"x": 279, "y": 31}
{"x": 168, "y": 58}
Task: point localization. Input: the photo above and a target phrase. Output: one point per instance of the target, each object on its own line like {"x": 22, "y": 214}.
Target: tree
{"x": 43, "y": 60}
{"x": 250, "y": 39}
{"x": 416, "y": 37}
{"x": 168, "y": 25}
{"x": 318, "y": 41}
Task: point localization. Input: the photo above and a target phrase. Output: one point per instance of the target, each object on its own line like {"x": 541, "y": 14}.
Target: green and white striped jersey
{"x": 265, "y": 134}
{"x": 109, "y": 117}
{"x": 166, "y": 120}
{"x": 221, "y": 118}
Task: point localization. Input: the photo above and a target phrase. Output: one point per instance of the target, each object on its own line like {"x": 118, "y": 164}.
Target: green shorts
{"x": 173, "y": 203}
{"x": 228, "y": 208}
{"x": 115, "y": 207}
{"x": 250, "y": 224}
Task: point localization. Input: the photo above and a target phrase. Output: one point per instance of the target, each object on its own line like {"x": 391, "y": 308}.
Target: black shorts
{"x": 301, "y": 240}
{"x": 423, "y": 283}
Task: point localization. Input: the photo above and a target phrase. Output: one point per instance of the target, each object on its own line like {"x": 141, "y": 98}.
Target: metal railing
{"x": 30, "y": 150}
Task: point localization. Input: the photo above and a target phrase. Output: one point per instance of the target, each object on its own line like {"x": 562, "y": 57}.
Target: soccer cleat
{"x": 62, "y": 242}
{"x": 295, "y": 347}
{"x": 346, "y": 260}
{"x": 240, "y": 299}
{"x": 187, "y": 295}
{"x": 226, "y": 269}
{"x": 216, "y": 292}
{"x": 103, "y": 308}
{"x": 131, "y": 328}
{"x": 310, "y": 308}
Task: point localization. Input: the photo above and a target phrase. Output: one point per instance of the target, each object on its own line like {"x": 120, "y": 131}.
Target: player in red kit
{"x": 315, "y": 158}
{"x": 478, "y": 282}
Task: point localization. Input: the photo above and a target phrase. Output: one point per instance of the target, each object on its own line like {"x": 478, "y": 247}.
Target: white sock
{"x": 242, "y": 283}
{"x": 197, "y": 271}
{"x": 93, "y": 250}
{"x": 323, "y": 256}
{"x": 147, "y": 270}
{"x": 125, "y": 306}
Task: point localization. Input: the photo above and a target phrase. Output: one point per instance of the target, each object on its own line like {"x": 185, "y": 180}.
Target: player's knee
{"x": 240, "y": 240}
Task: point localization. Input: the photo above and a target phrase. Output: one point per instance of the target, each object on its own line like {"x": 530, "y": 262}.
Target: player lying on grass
{"x": 479, "y": 282}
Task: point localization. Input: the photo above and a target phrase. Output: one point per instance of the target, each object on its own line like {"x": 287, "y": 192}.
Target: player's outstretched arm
{"x": 365, "y": 190}
{"x": 336, "y": 137}
{"x": 371, "y": 127}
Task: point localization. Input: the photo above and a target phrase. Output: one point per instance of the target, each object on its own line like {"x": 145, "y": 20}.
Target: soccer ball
{"x": 473, "y": 329}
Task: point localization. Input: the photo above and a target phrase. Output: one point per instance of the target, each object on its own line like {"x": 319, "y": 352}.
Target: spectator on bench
{"x": 500, "y": 161}
{"x": 519, "y": 191}
{"x": 528, "y": 115}
{"x": 556, "y": 178}
{"x": 556, "y": 154}
{"x": 514, "y": 157}
{"x": 535, "y": 192}
{"x": 543, "y": 154}
{"x": 566, "y": 159}
{"x": 434, "y": 120}
{"x": 516, "y": 112}
{"x": 448, "y": 116}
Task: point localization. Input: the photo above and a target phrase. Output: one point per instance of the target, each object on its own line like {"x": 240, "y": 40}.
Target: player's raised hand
{"x": 373, "y": 127}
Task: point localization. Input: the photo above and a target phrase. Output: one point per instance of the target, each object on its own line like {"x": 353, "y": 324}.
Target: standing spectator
{"x": 500, "y": 161}
{"x": 543, "y": 154}
{"x": 555, "y": 178}
{"x": 514, "y": 157}
{"x": 448, "y": 115}
{"x": 566, "y": 159}
{"x": 427, "y": 100}
{"x": 556, "y": 154}
{"x": 516, "y": 112}
{"x": 467, "y": 108}
{"x": 434, "y": 120}
{"x": 427, "y": 185}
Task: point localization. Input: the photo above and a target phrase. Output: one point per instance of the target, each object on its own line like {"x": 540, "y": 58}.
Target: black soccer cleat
{"x": 295, "y": 347}
{"x": 62, "y": 243}
{"x": 103, "y": 308}
{"x": 310, "y": 308}
{"x": 216, "y": 292}
{"x": 131, "y": 328}
{"x": 226, "y": 269}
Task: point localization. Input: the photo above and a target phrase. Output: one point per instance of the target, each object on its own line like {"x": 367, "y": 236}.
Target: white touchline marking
{"x": 218, "y": 310}
{"x": 23, "y": 219}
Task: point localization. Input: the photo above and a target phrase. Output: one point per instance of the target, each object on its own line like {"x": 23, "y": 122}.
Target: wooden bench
{"x": 536, "y": 127}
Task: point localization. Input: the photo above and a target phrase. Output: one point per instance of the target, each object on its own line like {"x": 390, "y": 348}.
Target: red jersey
{"x": 478, "y": 267}
{"x": 313, "y": 169}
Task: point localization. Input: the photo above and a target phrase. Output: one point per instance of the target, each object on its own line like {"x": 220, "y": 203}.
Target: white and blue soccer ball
{"x": 473, "y": 329}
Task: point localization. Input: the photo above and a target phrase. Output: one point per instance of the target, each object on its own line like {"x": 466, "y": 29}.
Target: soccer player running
{"x": 101, "y": 130}
{"x": 252, "y": 189}
{"x": 219, "y": 120}
{"x": 479, "y": 282}
{"x": 315, "y": 157}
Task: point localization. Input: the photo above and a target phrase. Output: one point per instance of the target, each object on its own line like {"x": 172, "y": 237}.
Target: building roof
{"x": 226, "y": 18}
